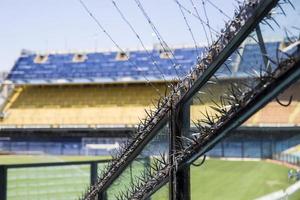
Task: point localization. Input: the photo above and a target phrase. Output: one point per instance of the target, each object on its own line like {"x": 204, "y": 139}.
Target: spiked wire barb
{"x": 236, "y": 99}
{"x": 244, "y": 13}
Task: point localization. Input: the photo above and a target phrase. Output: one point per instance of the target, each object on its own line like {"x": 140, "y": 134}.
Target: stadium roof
{"x": 114, "y": 67}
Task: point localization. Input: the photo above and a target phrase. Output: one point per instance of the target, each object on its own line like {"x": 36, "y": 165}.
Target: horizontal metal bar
{"x": 51, "y": 164}
{"x": 65, "y": 132}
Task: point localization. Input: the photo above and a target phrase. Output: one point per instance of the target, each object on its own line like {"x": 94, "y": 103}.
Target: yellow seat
{"x": 71, "y": 105}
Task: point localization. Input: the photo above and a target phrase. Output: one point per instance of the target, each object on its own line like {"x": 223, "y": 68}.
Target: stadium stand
{"x": 88, "y": 89}
{"x": 55, "y": 102}
{"x": 104, "y": 67}
{"x": 78, "y": 105}
{"x": 107, "y": 91}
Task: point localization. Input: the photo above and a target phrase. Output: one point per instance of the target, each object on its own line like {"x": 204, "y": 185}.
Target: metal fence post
{"x": 222, "y": 149}
{"x": 261, "y": 149}
{"x": 94, "y": 172}
{"x": 180, "y": 179}
{"x": 93, "y": 178}
{"x": 242, "y": 149}
{"x": 102, "y": 196}
{"x": 3, "y": 182}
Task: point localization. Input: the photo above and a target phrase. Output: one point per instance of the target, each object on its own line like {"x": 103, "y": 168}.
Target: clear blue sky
{"x": 53, "y": 25}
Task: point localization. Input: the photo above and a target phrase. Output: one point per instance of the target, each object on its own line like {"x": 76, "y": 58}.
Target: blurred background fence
{"x": 287, "y": 158}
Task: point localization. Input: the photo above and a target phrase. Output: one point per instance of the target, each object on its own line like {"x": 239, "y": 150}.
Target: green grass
{"x": 237, "y": 179}
{"x": 234, "y": 180}
{"x": 215, "y": 179}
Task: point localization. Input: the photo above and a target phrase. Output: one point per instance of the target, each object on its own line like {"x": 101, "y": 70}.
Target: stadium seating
{"x": 100, "y": 67}
{"x": 112, "y": 105}
{"x": 73, "y": 104}
{"x": 81, "y": 94}
{"x": 105, "y": 67}
{"x": 86, "y": 96}
{"x": 94, "y": 105}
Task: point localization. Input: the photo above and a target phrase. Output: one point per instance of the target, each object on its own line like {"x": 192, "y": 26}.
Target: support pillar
{"x": 179, "y": 188}
{"x": 262, "y": 46}
{"x": 93, "y": 180}
{"x": 3, "y": 183}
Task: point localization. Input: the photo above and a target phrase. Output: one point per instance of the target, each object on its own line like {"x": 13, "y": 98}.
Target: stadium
{"x": 217, "y": 121}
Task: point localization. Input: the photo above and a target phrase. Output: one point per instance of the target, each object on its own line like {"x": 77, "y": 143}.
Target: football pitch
{"x": 215, "y": 179}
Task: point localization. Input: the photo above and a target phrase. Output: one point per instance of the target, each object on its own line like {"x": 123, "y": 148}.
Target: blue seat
{"x": 104, "y": 65}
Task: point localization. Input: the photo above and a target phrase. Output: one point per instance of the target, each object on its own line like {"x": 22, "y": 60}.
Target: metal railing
{"x": 4, "y": 169}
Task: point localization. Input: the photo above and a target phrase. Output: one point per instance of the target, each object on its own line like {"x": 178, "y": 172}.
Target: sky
{"x": 63, "y": 25}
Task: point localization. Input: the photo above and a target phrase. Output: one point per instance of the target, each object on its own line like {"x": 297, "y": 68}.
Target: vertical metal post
{"x": 270, "y": 154}
{"x": 147, "y": 163}
{"x": 273, "y": 148}
{"x": 261, "y": 149}
{"x": 3, "y": 182}
{"x": 131, "y": 175}
{"x": 102, "y": 196}
{"x": 222, "y": 149}
{"x": 262, "y": 45}
{"x": 180, "y": 179}
{"x": 94, "y": 172}
{"x": 61, "y": 149}
{"x": 93, "y": 179}
{"x": 243, "y": 150}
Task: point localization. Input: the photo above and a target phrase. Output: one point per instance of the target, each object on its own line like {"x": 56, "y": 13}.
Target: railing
{"x": 18, "y": 181}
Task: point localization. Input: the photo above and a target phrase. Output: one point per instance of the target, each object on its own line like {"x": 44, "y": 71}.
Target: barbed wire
{"x": 219, "y": 9}
{"x": 207, "y": 20}
{"x": 118, "y": 46}
{"x": 189, "y": 28}
{"x": 202, "y": 24}
{"x": 199, "y": 18}
{"x": 162, "y": 42}
{"x": 140, "y": 40}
